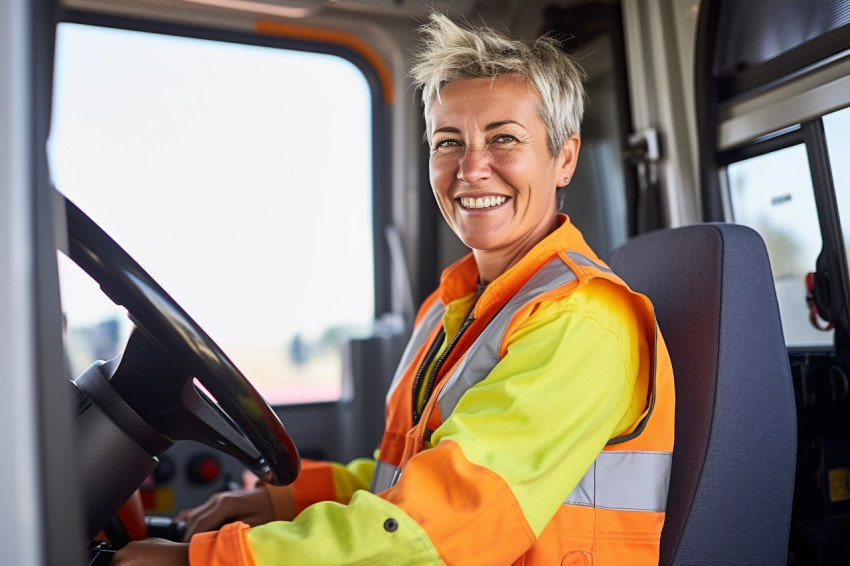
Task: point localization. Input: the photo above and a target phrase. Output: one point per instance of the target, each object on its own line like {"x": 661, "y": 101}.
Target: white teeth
{"x": 485, "y": 202}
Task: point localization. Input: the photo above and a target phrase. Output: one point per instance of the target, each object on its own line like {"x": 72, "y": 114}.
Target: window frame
{"x": 812, "y": 136}
{"x": 819, "y": 64}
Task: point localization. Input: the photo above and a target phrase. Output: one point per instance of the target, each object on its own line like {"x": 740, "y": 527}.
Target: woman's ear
{"x": 567, "y": 159}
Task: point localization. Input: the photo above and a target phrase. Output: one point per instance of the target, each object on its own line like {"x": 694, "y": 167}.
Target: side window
{"x": 240, "y": 177}
{"x": 773, "y": 194}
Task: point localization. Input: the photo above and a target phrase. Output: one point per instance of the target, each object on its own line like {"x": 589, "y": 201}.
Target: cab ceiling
{"x": 523, "y": 18}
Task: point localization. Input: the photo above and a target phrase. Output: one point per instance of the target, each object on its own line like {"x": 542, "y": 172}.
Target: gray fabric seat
{"x": 732, "y": 478}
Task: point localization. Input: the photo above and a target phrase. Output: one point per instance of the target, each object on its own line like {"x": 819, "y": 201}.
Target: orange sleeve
{"x": 320, "y": 481}
{"x": 315, "y": 483}
{"x": 225, "y": 547}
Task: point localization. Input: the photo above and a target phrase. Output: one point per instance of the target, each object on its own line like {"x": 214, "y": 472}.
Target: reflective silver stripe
{"x": 417, "y": 339}
{"x": 625, "y": 481}
{"x": 384, "y": 477}
{"x": 483, "y": 355}
{"x": 586, "y": 261}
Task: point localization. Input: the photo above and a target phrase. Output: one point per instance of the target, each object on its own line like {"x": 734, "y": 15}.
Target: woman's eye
{"x": 443, "y": 144}
{"x": 505, "y": 138}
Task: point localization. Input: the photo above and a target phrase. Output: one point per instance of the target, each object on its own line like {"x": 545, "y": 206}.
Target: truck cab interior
{"x": 217, "y": 225}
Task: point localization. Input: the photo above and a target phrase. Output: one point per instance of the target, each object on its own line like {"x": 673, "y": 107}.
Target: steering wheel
{"x": 132, "y": 408}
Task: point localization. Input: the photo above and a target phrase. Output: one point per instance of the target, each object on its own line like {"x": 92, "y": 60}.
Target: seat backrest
{"x": 732, "y": 478}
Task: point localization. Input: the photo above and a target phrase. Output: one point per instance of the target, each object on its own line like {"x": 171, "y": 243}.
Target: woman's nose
{"x": 474, "y": 166}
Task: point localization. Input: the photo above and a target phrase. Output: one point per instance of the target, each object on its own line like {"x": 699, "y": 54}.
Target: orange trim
{"x": 226, "y": 547}
{"x": 315, "y": 483}
{"x": 429, "y": 301}
{"x": 336, "y": 38}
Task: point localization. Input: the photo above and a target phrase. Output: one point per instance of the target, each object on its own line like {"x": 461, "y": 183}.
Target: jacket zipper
{"x": 429, "y": 385}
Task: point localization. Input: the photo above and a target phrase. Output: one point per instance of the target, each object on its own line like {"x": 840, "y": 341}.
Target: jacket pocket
{"x": 577, "y": 559}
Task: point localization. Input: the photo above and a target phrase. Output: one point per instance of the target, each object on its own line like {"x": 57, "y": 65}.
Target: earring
{"x": 566, "y": 180}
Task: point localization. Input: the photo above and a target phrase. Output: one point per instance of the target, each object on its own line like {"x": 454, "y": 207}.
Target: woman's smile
{"x": 479, "y": 203}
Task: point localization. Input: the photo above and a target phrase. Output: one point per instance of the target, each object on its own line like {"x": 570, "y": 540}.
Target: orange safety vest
{"x": 616, "y": 512}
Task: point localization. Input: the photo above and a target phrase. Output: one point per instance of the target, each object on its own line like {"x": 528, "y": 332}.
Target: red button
{"x": 203, "y": 469}
{"x": 208, "y": 470}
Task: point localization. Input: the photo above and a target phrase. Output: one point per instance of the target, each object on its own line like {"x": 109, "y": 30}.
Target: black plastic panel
{"x": 752, "y": 32}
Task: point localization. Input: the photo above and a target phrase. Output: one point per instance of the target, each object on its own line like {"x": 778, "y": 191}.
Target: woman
{"x": 531, "y": 418}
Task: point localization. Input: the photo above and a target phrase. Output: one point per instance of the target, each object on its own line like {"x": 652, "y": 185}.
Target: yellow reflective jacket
{"x": 536, "y": 428}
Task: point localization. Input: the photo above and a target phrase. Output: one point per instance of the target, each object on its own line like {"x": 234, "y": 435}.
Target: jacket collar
{"x": 461, "y": 278}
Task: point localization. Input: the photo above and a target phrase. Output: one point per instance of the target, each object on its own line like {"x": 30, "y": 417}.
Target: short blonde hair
{"x": 449, "y": 53}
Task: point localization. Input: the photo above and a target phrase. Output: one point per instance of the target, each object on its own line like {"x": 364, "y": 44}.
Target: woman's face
{"x": 491, "y": 170}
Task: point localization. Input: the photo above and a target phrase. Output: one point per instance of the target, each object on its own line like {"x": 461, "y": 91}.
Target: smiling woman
{"x": 492, "y": 171}
{"x": 535, "y": 382}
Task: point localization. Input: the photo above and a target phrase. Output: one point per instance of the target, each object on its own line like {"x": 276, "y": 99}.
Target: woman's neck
{"x": 493, "y": 263}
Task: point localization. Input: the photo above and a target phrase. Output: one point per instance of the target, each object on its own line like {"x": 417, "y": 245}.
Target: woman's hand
{"x": 153, "y": 551}
{"x": 252, "y": 506}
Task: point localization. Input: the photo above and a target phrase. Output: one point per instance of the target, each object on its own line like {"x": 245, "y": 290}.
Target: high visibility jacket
{"x": 535, "y": 429}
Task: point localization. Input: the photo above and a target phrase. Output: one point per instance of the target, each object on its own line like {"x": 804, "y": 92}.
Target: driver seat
{"x": 732, "y": 477}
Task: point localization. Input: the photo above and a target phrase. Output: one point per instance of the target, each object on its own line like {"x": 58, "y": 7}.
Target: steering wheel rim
{"x": 164, "y": 323}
